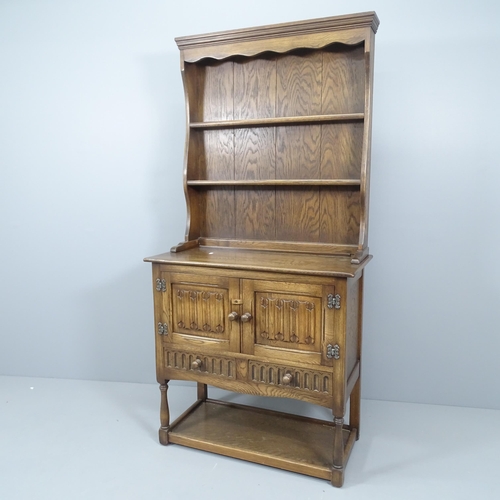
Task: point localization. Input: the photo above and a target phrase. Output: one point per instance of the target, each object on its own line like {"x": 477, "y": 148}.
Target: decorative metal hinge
{"x": 161, "y": 285}
{"x": 333, "y": 301}
{"x": 333, "y": 351}
{"x": 162, "y": 329}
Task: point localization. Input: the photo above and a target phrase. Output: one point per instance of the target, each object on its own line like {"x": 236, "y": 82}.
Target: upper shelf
{"x": 284, "y": 120}
{"x": 275, "y": 182}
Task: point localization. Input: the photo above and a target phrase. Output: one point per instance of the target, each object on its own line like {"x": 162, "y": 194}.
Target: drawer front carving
{"x": 295, "y": 378}
{"x": 197, "y": 363}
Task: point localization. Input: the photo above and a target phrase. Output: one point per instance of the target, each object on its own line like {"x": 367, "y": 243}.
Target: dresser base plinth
{"x": 289, "y": 442}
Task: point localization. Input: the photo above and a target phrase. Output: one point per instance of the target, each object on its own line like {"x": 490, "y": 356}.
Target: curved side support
{"x": 362, "y": 251}
{"x": 186, "y": 150}
{"x": 185, "y": 245}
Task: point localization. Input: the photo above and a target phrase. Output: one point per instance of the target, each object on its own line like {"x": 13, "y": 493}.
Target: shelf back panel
{"x": 318, "y": 105}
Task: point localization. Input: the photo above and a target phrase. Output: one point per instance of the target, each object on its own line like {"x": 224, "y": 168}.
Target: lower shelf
{"x": 281, "y": 440}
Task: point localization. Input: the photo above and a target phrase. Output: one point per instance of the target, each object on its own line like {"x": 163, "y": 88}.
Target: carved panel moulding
{"x": 199, "y": 310}
{"x": 287, "y": 320}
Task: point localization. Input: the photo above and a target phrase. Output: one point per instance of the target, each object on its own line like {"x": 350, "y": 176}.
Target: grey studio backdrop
{"x": 92, "y": 131}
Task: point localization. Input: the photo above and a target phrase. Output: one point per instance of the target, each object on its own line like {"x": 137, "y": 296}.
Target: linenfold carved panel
{"x": 288, "y": 321}
{"x": 199, "y": 310}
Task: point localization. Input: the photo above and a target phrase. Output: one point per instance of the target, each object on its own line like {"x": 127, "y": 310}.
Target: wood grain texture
{"x": 340, "y": 215}
{"x": 214, "y": 158}
{"x": 255, "y": 214}
{"x": 254, "y": 97}
{"x": 352, "y": 326}
{"x": 343, "y": 84}
{"x": 276, "y": 182}
{"x": 280, "y": 120}
{"x": 255, "y": 155}
{"x": 355, "y": 398}
{"x": 299, "y": 84}
{"x": 211, "y": 155}
{"x": 216, "y": 92}
{"x": 341, "y": 150}
{"x": 271, "y": 438}
{"x": 290, "y": 321}
{"x": 298, "y": 152}
{"x": 164, "y": 413}
{"x": 247, "y": 386}
{"x": 216, "y": 209}
{"x": 200, "y": 310}
{"x": 298, "y": 214}
{"x": 366, "y": 155}
{"x": 255, "y": 88}
{"x": 285, "y": 246}
{"x": 198, "y": 307}
{"x": 233, "y": 260}
{"x": 299, "y": 378}
{"x": 212, "y": 365}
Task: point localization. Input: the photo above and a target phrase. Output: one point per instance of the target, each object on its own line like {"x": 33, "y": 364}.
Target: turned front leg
{"x": 338, "y": 452}
{"x": 164, "y": 414}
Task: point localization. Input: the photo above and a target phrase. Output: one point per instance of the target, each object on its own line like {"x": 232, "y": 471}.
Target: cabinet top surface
{"x": 253, "y": 260}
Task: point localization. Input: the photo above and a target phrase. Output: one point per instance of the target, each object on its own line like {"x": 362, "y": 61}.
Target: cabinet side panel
{"x": 161, "y": 315}
{"x": 343, "y": 88}
{"x": 352, "y": 326}
{"x": 340, "y": 213}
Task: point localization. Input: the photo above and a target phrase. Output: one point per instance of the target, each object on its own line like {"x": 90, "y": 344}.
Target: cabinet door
{"x": 197, "y": 310}
{"x": 288, "y": 321}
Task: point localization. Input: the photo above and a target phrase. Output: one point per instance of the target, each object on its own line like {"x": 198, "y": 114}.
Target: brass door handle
{"x": 233, "y": 316}
{"x": 287, "y": 379}
{"x": 245, "y": 318}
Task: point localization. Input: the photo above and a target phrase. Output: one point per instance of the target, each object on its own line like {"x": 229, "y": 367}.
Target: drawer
{"x": 299, "y": 379}
{"x": 196, "y": 363}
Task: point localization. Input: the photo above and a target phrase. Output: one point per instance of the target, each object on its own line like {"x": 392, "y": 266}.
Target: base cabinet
{"x": 275, "y": 335}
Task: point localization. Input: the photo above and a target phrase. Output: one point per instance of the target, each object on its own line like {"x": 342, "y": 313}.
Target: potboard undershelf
{"x": 281, "y": 440}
